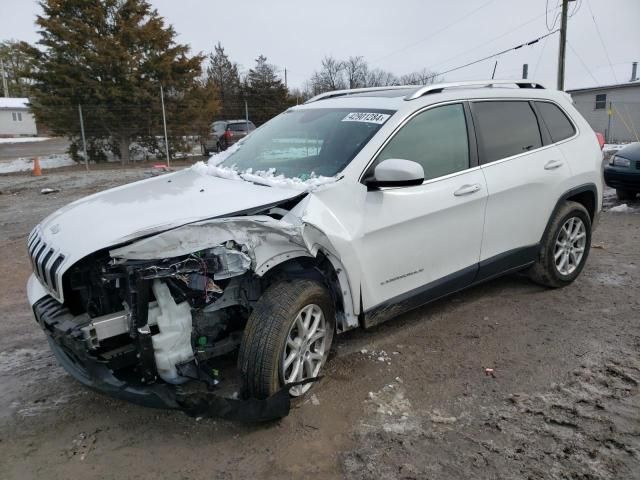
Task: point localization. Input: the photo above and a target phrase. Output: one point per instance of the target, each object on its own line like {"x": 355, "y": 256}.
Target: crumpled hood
{"x": 149, "y": 206}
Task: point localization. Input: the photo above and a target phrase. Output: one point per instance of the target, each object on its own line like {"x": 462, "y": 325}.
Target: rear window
{"x": 559, "y": 126}
{"x": 505, "y": 128}
{"x": 238, "y": 127}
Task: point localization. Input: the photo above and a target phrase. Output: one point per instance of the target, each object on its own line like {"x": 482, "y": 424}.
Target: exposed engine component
{"x": 172, "y": 345}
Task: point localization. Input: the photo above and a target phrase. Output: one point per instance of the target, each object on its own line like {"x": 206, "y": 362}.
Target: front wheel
{"x": 287, "y": 338}
{"x": 564, "y": 248}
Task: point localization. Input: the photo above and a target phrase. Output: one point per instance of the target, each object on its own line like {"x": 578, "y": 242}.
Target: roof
{"x": 9, "y": 102}
{"x": 605, "y": 87}
{"x": 411, "y": 97}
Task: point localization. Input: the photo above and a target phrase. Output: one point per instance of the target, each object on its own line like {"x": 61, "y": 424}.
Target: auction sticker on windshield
{"x": 368, "y": 117}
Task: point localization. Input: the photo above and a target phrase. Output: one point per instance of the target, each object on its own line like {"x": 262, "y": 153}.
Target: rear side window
{"x": 559, "y": 126}
{"x": 436, "y": 139}
{"x": 505, "y": 128}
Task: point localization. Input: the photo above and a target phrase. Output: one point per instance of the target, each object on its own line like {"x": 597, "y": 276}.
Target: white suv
{"x": 340, "y": 213}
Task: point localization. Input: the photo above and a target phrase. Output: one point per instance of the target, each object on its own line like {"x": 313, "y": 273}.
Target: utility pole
{"x": 563, "y": 42}
{"x": 246, "y": 114}
{"x": 5, "y": 87}
{"x": 84, "y": 141}
{"x": 495, "y": 65}
{"x": 285, "y": 78}
{"x": 164, "y": 121}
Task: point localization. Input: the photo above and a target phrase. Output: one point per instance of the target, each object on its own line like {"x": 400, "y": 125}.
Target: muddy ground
{"x": 408, "y": 399}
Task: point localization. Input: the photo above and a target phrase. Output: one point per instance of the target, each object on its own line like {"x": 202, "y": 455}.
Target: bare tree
{"x": 380, "y": 78}
{"x": 356, "y": 70}
{"x": 423, "y": 77}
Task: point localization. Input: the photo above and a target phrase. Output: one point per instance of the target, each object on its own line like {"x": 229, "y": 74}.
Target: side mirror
{"x": 396, "y": 172}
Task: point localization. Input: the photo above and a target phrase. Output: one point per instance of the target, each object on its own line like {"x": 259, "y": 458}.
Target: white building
{"x": 15, "y": 118}
{"x": 613, "y": 110}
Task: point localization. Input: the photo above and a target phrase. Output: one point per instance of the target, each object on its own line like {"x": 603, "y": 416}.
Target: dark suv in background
{"x": 225, "y": 133}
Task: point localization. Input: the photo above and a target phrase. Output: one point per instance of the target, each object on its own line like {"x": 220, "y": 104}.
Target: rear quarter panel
{"x": 583, "y": 154}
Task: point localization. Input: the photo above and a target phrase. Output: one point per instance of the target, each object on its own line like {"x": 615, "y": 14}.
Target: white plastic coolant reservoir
{"x": 173, "y": 344}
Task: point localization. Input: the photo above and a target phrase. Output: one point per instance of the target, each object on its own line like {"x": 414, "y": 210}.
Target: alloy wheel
{"x": 305, "y": 348}
{"x": 570, "y": 245}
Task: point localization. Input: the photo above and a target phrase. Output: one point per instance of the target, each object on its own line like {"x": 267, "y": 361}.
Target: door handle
{"x": 552, "y": 164}
{"x": 467, "y": 190}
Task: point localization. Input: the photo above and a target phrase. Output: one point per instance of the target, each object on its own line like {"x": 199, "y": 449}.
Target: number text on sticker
{"x": 368, "y": 117}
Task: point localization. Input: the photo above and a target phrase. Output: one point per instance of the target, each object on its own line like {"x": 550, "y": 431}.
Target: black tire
{"x": 544, "y": 271}
{"x": 625, "y": 194}
{"x": 218, "y": 147}
{"x": 263, "y": 342}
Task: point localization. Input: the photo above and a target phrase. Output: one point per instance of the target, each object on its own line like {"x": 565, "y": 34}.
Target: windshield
{"x": 317, "y": 142}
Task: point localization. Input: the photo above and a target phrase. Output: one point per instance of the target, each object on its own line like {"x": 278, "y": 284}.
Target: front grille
{"x": 45, "y": 262}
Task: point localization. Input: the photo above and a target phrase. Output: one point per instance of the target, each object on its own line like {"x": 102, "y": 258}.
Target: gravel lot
{"x": 408, "y": 399}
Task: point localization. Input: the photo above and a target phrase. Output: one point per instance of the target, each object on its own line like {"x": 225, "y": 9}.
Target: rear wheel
{"x": 625, "y": 194}
{"x": 564, "y": 248}
{"x": 287, "y": 338}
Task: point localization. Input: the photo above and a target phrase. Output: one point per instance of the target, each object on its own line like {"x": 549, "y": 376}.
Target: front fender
{"x": 268, "y": 242}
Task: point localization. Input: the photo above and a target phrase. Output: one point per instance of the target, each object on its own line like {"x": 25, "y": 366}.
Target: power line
{"x": 544, "y": 46}
{"x": 583, "y": 64}
{"x": 546, "y": 16}
{"x": 526, "y": 44}
{"x": 516, "y": 28}
{"x": 593, "y": 17}
{"x": 437, "y": 32}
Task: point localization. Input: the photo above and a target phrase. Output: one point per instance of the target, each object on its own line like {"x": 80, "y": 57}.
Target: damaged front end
{"x": 153, "y": 322}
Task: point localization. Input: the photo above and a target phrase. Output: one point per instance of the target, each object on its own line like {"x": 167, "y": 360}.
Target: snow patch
{"x": 23, "y": 140}
{"x": 623, "y": 208}
{"x": 26, "y": 164}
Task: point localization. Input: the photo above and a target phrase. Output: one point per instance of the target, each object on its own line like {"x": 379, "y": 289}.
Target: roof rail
{"x": 340, "y": 93}
{"x": 439, "y": 87}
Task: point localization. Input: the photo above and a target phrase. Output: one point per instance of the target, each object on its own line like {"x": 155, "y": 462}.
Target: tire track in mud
{"x": 585, "y": 428}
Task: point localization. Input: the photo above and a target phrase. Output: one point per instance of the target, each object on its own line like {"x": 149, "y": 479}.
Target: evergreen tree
{"x": 223, "y": 74}
{"x": 18, "y": 67}
{"x": 266, "y": 95}
{"x": 111, "y": 56}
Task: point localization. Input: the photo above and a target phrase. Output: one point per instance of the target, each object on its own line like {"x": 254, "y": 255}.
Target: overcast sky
{"x": 400, "y": 35}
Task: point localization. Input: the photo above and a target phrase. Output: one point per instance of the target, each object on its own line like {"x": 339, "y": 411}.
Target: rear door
{"x": 525, "y": 175}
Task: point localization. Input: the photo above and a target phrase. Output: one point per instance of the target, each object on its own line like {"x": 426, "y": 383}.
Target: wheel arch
{"x": 586, "y": 195}
{"x": 325, "y": 268}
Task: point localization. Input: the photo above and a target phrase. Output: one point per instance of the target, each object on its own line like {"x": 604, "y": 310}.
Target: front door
{"x": 423, "y": 241}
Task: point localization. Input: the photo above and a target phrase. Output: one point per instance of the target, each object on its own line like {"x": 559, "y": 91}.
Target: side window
{"x": 556, "y": 121}
{"x": 436, "y": 139}
{"x": 505, "y": 128}
{"x": 14, "y": 116}
{"x": 601, "y": 101}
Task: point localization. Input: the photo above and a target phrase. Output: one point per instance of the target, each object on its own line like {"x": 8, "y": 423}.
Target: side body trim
{"x": 490, "y": 268}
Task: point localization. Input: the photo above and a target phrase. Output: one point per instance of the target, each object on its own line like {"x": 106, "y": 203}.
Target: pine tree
{"x": 18, "y": 66}
{"x": 223, "y": 74}
{"x": 111, "y": 56}
{"x": 266, "y": 95}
